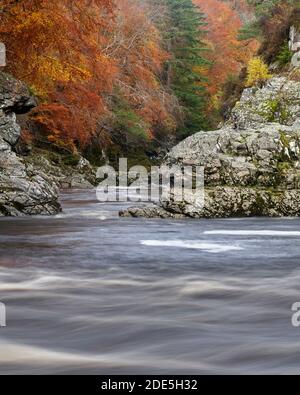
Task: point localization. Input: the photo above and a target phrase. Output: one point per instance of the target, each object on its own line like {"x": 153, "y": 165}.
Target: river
{"x": 87, "y": 292}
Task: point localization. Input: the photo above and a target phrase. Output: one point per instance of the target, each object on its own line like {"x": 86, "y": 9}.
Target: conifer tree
{"x": 184, "y": 28}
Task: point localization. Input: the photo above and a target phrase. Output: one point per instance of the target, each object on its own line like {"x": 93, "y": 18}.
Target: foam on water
{"x": 253, "y": 233}
{"x": 192, "y": 244}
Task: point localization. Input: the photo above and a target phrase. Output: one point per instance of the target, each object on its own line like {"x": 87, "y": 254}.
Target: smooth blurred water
{"x": 88, "y": 292}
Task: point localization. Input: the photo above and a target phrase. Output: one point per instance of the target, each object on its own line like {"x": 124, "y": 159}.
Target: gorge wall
{"x": 252, "y": 164}
{"x": 29, "y": 185}
{"x": 21, "y": 191}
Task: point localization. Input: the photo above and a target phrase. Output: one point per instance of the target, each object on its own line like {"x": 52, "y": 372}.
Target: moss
{"x": 285, "y": 115}
{"x": 53, "y": 157}
{"x": 71, "y": 160}
{"x": 259, "y": 205}
{"x": 283, "y": 167}
{"x": 274, "y": 110}
{"x": 256, "y": 163}
{"x": 285, "y": 139}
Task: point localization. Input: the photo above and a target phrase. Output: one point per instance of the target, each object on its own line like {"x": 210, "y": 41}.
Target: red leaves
{"x": 72, "y": 119}
{"x": 77, "y": 55}
{"x": 228, "y": 55}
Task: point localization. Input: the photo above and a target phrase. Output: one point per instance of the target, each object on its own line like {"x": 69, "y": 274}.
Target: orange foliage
{"x": 227, "y": 54}
{"x": 137, "y": 43}
{"x": 81, "y": 57}
{"x": 57, "y": 47}
{"x": 76, "y": 54}
{"x": 57, "y": 40}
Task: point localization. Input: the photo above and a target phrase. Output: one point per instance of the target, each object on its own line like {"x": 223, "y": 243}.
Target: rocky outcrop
{"x": 294, "y": 42}
{"x": 21, "y": 192}
{"x": 66, "y": 173}
{"x": 29, "y": 185}
{"x": 252, "y": 164}
{"x": 294, "y": 45}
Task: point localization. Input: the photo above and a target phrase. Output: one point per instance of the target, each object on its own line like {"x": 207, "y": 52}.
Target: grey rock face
{"x": 81, "y": 176}
{"x": 252, "y": 164}
{"x": 296, "y": 59}
{"x": 265, "y": 157}
{"x": 15, "y": 97}
{"x": 294, "y": 42}
{"x": 21, "y": 193}
{"x": 278, "y": 102}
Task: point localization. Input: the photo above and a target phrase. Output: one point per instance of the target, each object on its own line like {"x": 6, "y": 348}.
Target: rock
{"x": 9, "y": 129}
{"x": 80, "y": 176}
{"x": 252, "y": 164}
{"x": 83, "y": 164}
{"x": 222, "y": 202}
{"x": 277, "y": 101}
{"x": 21, "y": 192}
{"x": 150, "y": 212}
{"x": 296, "y": 59}
{"x": 14, "y": 96}
{"x": 75, "y": 181}
{"x": 294, "y": 43}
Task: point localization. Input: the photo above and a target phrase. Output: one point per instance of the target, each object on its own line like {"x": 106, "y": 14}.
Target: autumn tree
{"x": 120, "y": 73}
{"x": 95, "y": 67}
{"x": 273, "y": 19}
{"x": 141, "y": 106}
{"x": 57, "y": 47}
{"x": 226, "y": 53}
{"x": 257, "y": 72}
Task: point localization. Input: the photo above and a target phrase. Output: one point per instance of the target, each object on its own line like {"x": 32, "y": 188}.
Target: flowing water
{"x": 87, "y": 292}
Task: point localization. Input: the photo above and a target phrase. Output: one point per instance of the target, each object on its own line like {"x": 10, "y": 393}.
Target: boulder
{"x": 252, "y": 164}
{"x": 296, "y": 59}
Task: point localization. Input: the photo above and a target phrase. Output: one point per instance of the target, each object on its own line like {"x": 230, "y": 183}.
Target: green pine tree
{"x": 184, "y": 33}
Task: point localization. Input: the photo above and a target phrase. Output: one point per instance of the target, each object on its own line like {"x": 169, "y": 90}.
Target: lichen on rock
{"x": 252, "y": 164}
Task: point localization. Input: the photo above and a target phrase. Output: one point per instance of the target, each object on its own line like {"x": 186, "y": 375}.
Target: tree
{"x": 91, "y": 64}
{"x": 228, "y": 56}
{"x": 258, "y": 72}
{"x": 184, "y": 73}
{"x": 57, "y": 47}
{"x": 141, "y": 106}
{"x": 271, "y": 25}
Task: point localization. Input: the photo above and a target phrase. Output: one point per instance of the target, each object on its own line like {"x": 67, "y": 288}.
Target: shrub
{"x": 257, "y": 72}
{"x": 285, "y": 55}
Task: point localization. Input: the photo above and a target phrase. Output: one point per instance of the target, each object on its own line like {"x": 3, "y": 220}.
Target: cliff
{"x": 30, "y": 185}
{"x": 20, "y": 193}
{"x": 252, "y": 164}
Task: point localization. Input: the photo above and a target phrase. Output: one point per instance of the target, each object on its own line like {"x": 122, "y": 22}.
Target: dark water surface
{"x": 87, "y": 292}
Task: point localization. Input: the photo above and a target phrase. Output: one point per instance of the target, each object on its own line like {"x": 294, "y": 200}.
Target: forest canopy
{"x": 116, "y": 74}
